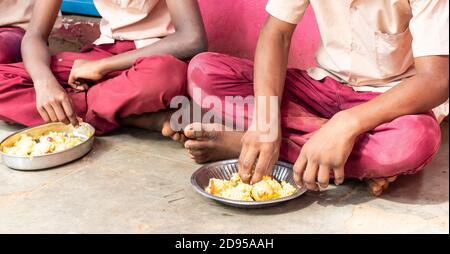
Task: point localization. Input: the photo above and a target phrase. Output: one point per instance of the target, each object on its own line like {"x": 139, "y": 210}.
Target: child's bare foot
{"x": 212, "y": 142}
{"x": 376, "y": 186}
{"x": 158, "y": 121}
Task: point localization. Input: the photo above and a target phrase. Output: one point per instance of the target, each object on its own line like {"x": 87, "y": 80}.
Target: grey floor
{"x": 138, "y": 182}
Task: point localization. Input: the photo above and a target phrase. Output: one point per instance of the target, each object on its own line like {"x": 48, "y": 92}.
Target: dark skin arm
{"x": 188, "y": 40}
{"x": 324, "y": 152}
{"x": 271, "y": 60}
{"x": 52, "y": 101}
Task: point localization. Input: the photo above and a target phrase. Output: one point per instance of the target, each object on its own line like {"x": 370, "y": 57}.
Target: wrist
{"x": 263, "y": 119}
{"x": 44, "y": 81}
{"x": 103, "y": 66}
{"x": 351, "y": 121}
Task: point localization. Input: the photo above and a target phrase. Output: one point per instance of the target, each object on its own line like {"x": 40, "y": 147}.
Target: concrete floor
{"x": 138, "y": 182}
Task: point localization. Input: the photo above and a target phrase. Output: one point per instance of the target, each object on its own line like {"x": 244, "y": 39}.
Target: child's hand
{"x": 84, "y": 71}
{"x": 53, "y": 103}
{"x": 326, "y": 151}
{"x": 258, "y": 154}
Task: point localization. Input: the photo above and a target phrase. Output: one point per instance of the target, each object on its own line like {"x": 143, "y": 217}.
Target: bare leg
{"x": 376, "y": 186}
{"x": 158, "y": 122}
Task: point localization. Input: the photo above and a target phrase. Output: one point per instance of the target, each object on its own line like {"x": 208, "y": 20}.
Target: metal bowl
{"x": 282, "y": 171}
{"x": 85, "y": 132}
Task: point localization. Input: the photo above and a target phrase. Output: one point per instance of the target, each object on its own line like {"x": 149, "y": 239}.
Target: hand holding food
{"x": 53, "y": 103}
{"x": 257, "y": 158}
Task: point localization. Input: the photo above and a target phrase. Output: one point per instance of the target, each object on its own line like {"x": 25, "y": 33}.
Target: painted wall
{"x": 233, "y": 27}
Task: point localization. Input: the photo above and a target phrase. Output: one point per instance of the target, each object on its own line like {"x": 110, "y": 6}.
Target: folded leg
{"x": 17, "y": 93}
{"x": 402, "y": 146}
{"x": 10, "y": 41}
{"x": 147, "y": 87}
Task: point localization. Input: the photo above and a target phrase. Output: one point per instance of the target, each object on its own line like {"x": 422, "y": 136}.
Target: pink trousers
{"x": 403, "y": 146}
{"x": 148, "y": 86}
{"x": 10, "y": 41}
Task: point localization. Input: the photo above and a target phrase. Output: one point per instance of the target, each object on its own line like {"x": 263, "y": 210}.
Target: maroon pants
{"x": 148, "y": 86}
{"x": 403, "y": 146}
{"x": 10, "y": 41}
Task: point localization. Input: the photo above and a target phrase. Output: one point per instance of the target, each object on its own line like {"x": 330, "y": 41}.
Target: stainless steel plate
{"x": 85, "y": 132}
{"x": 224, "y": 169}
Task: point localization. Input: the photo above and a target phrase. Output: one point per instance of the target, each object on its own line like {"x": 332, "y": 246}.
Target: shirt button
{"x": 353, "y": 46}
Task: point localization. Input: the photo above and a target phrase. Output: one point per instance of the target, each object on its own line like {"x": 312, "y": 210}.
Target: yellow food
{"x": 51, "y": 143}
{"x": 266, "y": 189}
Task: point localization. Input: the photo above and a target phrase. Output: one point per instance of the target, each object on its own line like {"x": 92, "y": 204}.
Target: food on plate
{"x": 50, "y": 143}
{"x": 266, "y": 189}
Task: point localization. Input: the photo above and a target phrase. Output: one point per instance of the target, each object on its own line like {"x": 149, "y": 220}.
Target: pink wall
{"x": 233, "y": 27}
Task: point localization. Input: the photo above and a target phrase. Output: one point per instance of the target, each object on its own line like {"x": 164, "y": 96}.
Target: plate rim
{"x": 45, "y": 155}
{"x": 201, "y": 191}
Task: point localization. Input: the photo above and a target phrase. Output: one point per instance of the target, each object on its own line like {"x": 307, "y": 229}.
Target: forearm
{"x": 178, "y": 45}
{"x": 271, "y": 60}
{"x": 36, "y": 58}
{"x": 417, "y": 94}
{"x": 35, "y": 53}
{"x": 270, "y": 64}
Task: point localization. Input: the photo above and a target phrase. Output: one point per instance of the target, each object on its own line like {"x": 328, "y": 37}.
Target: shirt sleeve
{"x": 290, "y": 11}
{"x": 429, "y": 27}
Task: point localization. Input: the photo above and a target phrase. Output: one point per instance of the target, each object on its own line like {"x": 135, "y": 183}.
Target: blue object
{"x": 85, "y": 7}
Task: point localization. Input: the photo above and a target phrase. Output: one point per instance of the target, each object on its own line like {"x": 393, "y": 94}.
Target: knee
{"x": 8, "y": 55}
{"x": 203, "y": 71}
{"x": 160, "y": 76}
{"x": 410, "y": 147}
{"x": 4, "y": 58}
